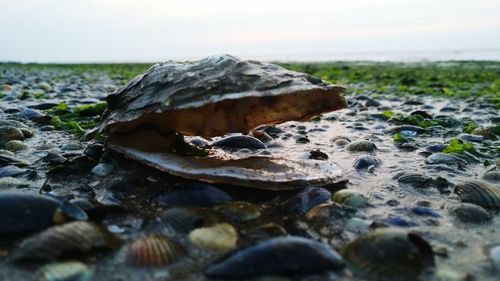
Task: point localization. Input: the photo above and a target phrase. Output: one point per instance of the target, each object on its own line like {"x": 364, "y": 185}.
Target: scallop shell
{"x": 79, "y": 236}
{"x": 221, "y": 236}
{"x": 154, "y": 250}
{"x": 389, "y": 253}
{"x": 350, "y": 198}
{"x": 64, "y": 271}
{"x": 280, "y": 255}
{"x": 479, "y": 193}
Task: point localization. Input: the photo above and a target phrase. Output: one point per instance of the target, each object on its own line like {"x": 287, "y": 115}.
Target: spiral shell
{"x": 79, "y": 236}
{"x": 479, "y": 193}
{"x": 221, "y": 236}
{"x": 389, "y": 253}
{"x": 64, "y": 271}
{"x": 154, "y": 250}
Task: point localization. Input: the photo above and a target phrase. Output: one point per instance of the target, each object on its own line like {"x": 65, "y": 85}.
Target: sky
{"x": 159, "y": 30}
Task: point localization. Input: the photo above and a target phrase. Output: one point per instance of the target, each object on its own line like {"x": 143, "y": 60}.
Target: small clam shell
{"x": 350, "y": 198}
{"x": 79, "y": 236}
{"x": 239, "y": 210}
{"x": 479, "y": 193}
{"x": 64, "y": 271}
{"x": 470, "y": 213}
{"x": 361, "y": 145}
{"x": 389, "y": 253}
{"x": 307, "y": 199}
{"x": 280, "y": 255}
{"x": 415, "y": 180}
{"x": 221, "y": 236}
{"x": 183, "y": 220}
{"x": 154, "y": 250}
{"x": 24, "y": 212}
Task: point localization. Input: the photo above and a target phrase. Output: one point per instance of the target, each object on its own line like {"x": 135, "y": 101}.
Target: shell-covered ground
{"x": 414, "y": 139}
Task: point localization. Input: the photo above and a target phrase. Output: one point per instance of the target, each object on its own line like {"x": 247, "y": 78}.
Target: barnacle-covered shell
{"x": 79, "y": 236}
{"x": 154, "y": 250}
{"x": 280, "y": 255}
{"x": 479, "y": 193}
{"x": 64, "y": 271}
{"x": 217, "y": 95}
{"x": 350, "y": 198}
{"x": 24, "y": 212}
{"x": 389, "y": 253}
{"x": 221, "y": 236}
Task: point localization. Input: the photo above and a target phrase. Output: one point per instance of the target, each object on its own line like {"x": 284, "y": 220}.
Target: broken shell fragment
{"x": 280, "y": 255}
{"x": 220, "y": 236}
{"x": 79, "y": 236}
{"x": 154, "y": 250}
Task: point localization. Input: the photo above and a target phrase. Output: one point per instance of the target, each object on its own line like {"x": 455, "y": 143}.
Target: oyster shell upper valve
{"x": 213, "y": 97}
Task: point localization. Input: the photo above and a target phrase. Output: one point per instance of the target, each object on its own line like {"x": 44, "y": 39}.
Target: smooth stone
{"x": 318, "y": 155}
{"x": 27, "y": 133}
{"x": 45, "y": 86}
{"x": 365, "y": 161}
{"x": 47, "y": 128}
{"x": 471, "y": 137}
{"x": 8, "y": 133}
{"x": 15, "y": 145}
{"x": 442, "y": 158}
{"x": 495, "y": 257}
{"x": 240, "y": 141}
{"x": 11, "y": 171}
{"x": 102, "y": 169}
{"x": 30, "y": 114}
{"x": 492, "y": 176}
{"x": 72, "y": 147}
{"x": 361, "y": 145}
{"x": 469, "y": 213}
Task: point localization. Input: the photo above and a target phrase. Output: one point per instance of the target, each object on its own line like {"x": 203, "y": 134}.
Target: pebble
{"x": 102, "y": 169}
{"x": 495, "y": 257}
{"x": 365, "y": 161}
{"x": 15, "y": 145}
{"x": 8, "y": 133}
{"x": 72, "y": 147}
{"x": 361, "y": 145}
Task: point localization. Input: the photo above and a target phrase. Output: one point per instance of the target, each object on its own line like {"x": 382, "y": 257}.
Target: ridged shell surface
{"x": 80, "y": 236}
{"x": 479, "y": 193}
{"x": 389, "y": 253}
{"x": 154, "y": 250}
